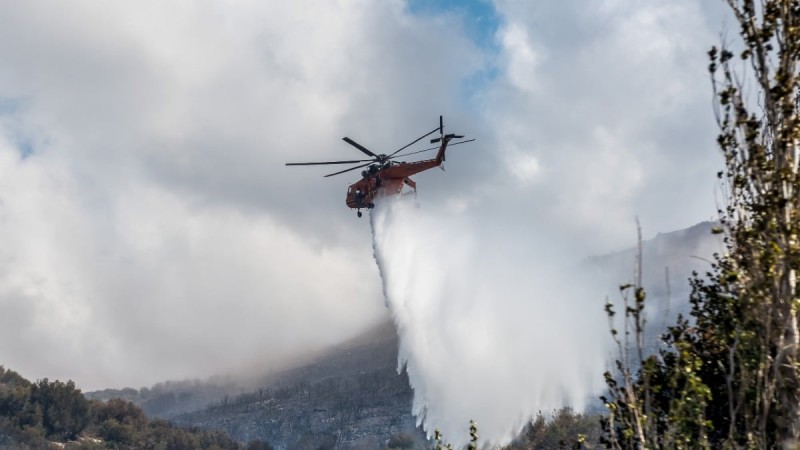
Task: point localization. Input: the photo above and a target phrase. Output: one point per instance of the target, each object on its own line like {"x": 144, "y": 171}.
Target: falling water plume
{"x": 486, "y": 332}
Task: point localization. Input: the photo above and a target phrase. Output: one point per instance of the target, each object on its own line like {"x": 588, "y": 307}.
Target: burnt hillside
{"x": 352, "y": 397}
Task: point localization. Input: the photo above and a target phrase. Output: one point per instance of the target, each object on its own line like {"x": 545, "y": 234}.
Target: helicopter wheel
{"x": 371, "y": 205}
{"x": 359, "y": 214}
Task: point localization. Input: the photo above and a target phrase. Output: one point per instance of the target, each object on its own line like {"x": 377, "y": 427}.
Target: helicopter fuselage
{"x": 388, "y": 179}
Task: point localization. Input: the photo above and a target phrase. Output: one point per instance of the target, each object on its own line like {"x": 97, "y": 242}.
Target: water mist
{"x": 486, "y": 332}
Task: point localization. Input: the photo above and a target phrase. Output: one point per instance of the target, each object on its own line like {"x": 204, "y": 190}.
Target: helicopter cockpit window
{"x": 350, "y": 190}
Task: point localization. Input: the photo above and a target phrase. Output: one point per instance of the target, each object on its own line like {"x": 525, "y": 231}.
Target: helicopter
{"x": 382, "y": 175}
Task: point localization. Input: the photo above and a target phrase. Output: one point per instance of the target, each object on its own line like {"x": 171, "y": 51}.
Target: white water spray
{"x": 484, "y": 335}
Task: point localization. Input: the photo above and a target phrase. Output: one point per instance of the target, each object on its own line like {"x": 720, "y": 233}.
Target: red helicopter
{"x": 384, "y": 176}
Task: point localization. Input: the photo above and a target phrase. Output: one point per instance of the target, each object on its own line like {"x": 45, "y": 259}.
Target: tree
{"x": 564, "y": 428}
{"x": 730, "y": 375}
{"x": 759, "y": 140}
{"x": 121, "y": 411}
{"x": 65, "y": 411}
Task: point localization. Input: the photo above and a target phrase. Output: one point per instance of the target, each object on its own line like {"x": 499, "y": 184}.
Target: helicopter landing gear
{"x": 371, "y": 205}
{"x": 359, "y": 213}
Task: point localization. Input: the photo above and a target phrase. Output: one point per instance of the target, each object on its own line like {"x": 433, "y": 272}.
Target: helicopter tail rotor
{"x": 441, "y": 131}
{"x": 442, "y": 135}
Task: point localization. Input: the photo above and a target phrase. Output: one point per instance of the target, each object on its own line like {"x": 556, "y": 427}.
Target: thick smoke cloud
{"x": 151, "y": 228}
{"x": 157, "y": 286}
{"x": 493, "y": 326}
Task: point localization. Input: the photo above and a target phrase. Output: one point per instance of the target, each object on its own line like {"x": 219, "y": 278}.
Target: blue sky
{"x": 480, "y": 21}
{"x": 10, "y": 109}
{"x": 479, "y": 17}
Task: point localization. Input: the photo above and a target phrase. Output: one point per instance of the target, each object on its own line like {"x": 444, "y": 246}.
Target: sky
{"x": 152, "y": 231}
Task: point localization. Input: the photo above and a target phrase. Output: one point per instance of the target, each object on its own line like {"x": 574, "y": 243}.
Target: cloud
{"x": 612, "y": 101}
{"x": 152, "y": 228}
{"x": 149, "y": 285}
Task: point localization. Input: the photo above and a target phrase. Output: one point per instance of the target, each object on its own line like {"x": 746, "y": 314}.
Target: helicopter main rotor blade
{"x": 416, "y": 152}
{"x": 433, "y": 148}
{"x": 359, "y": 146}
{"x": 412, "y": 143}
{"x": 348, "y": 170}
{"x": 355, "y": 161}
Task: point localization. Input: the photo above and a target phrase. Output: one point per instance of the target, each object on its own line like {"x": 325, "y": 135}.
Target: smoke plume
{"x": 490, "y": 328}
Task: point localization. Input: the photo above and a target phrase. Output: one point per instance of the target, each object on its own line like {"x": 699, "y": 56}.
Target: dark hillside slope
{"x": 352, "y": 397}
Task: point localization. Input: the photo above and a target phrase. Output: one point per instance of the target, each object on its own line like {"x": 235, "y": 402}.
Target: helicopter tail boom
{"x": 440, "y": 156}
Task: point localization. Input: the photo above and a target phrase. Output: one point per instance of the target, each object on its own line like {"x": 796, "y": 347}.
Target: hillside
{"x": 352, "y": 397}
{"x": 668, "y": 261}
{"x": 53, "y": 414}
{"x": 354, "y": 387}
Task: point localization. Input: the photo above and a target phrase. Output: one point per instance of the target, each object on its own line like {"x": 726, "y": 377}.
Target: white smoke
{"x": 488, "y": 330}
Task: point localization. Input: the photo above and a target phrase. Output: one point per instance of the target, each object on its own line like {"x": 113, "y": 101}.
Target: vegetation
{"x": 564, "y": 429}
{"x": 727, "y": 376}
{"x": 400, "y": 441}
{"x": 35, "y": 415}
